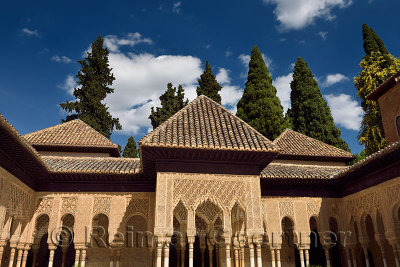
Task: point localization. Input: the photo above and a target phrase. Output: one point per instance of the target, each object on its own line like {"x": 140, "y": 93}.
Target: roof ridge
{"x": 311, "y": 138}
{"x": 193, "y": 102}
{"x": 92, "y": 158}
{"x": 55, "y": 129}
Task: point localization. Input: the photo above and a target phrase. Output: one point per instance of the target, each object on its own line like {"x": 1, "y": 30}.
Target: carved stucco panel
{"x": 68, "y": 205}
{"x": 101, "y": 205}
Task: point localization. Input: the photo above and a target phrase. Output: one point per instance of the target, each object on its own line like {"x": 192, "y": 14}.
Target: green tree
{"x": 376, "y": 66}
{"x": 208, "y": 85}
{"x": 309, "y": 113}
{"x": 171, "y": 102}
{"x": 259, "y": 105}
{"x": 130, "y": 150}
{"x": 94, "y": 80}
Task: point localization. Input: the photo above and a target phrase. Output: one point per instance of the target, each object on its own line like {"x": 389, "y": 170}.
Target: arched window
{"x": 398, "y": 125}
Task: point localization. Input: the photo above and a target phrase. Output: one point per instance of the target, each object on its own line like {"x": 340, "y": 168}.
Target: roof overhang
{"x": 113, "y": 151}
{"x": 384, "y": 87}
{"x": 189, "y": 160}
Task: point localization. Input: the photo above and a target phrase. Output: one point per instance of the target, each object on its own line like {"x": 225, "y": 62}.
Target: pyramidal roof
{"x": 292, "y": 143}
{"x": 205, "y": 124}
{"x": 74, "y": 133}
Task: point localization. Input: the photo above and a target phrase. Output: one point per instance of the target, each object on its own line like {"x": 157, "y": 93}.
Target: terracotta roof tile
{"x": 278, "y": 170}
{"x": 292, "y": 143}
{"x": 92, "y": 165}
{"x": 205, "y": 124}
{"x": 370, "y": 161}
{"x": 74, "y": 133}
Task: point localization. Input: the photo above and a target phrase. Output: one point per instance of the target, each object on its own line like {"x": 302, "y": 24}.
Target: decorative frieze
{"x": 44, "y": 205}
{"x": 286, "y": 208}
{"x": 68, "y": 205}
{"x": 19, "y": 202}
{"x": 101, "y": 205}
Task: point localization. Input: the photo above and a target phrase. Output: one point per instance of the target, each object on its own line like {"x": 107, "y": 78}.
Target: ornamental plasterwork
{"x": 363, "y": 203}
{"x": 101, "y": 205}
{"x": 209, "y": 210}
{"x": 19, "y": 202}
{"x": 313, "y": 208}
{"x": 286, "y": 208}
{"x": 138, "y": 205}
{"x": 393, "y": 193}
{"x": 44, "y": 205}
{"x": 180, "y": 213}
{"x": 68, "y": 205}
{"x": 191, "y": 192}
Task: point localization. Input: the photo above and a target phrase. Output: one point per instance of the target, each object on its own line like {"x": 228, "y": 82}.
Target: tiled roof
{"x": 292, "y": 143}
{"x": 370, "y": 161}
{"x": 21, "y": 140}
{"x": 92, "y": 165}
{"x": 74, "y": 133}
{"x": 205, "y": 124}
{"x": 278, "y": 170}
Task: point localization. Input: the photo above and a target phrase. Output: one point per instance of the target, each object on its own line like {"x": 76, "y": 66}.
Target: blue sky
{"x": 155, "y": 42}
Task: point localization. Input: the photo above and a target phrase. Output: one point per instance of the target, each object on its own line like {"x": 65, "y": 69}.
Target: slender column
{"x": 190, "y": 241}
{"x": 242, "y": 255}
{"x": 12, "y": 256}
{"x": 301, "y": 257}
{"x": 307, "y": 257}
{"x": 151, "y": 256}
{"x": 64, "y": 255}
{"x": 366, "y": 257}
{"x": 354, "y": 256}
{"x": 159, "y": 254}
{"x": 19, "y": 257}
{"x": 118, "y": 257}
{"x": 396, "y": 257}
{"x": 1, "y": 253}
{"x": 383, "y": 255}
{"x": 83, "y": 258}
{"x": 202, "y": 250}
{"x": 228, "y": 254}
{"x": 236, "y": 257}
{"x": 111, "y": 257}
{"x": 251, "y": 248}
{"x": 273, "y": 258}
{"x": 259, "y": 258}
{"x": 328, "y": 260}
{"x": 51, "y": 257}
{"x": 278, "y": 258}
{"x": 210, "y": 255}
{"x": 348, "y": 257}
{"x": 77, "y": 256}
{"x": 24, "y": 257}
{"x": 166, "y": 254}
{"x": 183, "y": 250}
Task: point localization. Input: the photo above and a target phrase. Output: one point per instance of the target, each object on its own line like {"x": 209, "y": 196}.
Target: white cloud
{"x": 230, "y": 94}
{"x": 141, "y": 78}
{"x": 223, "y": 76}
{"x": 346, "y": 112}
{"x": 282, "y": 85}
{"x": 208, "y": 46}
{"x": 246, "y": 58}
{"x": 176, "y": 7}
{"x": 324, "y": 35}
{"x": 113, "y": 42}
{"x": 68, "y": 84}
{"x": 228, "y": 52}
{"x": 332, "y": 79}
{"x": 297, "y": 14}
{"x": 62, "y": 59}
{"x": 30, "y": 32}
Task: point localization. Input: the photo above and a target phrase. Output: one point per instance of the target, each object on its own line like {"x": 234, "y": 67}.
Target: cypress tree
{"x": 259, "y": 105}
{"x": 95, "y": 79}
{"x": 376, "y": 66}
{"x": 208, "y": 85}
{"x": 172, "y": 101}
{"x": 309, "y": 113}
{"x": 130, "y": 150}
